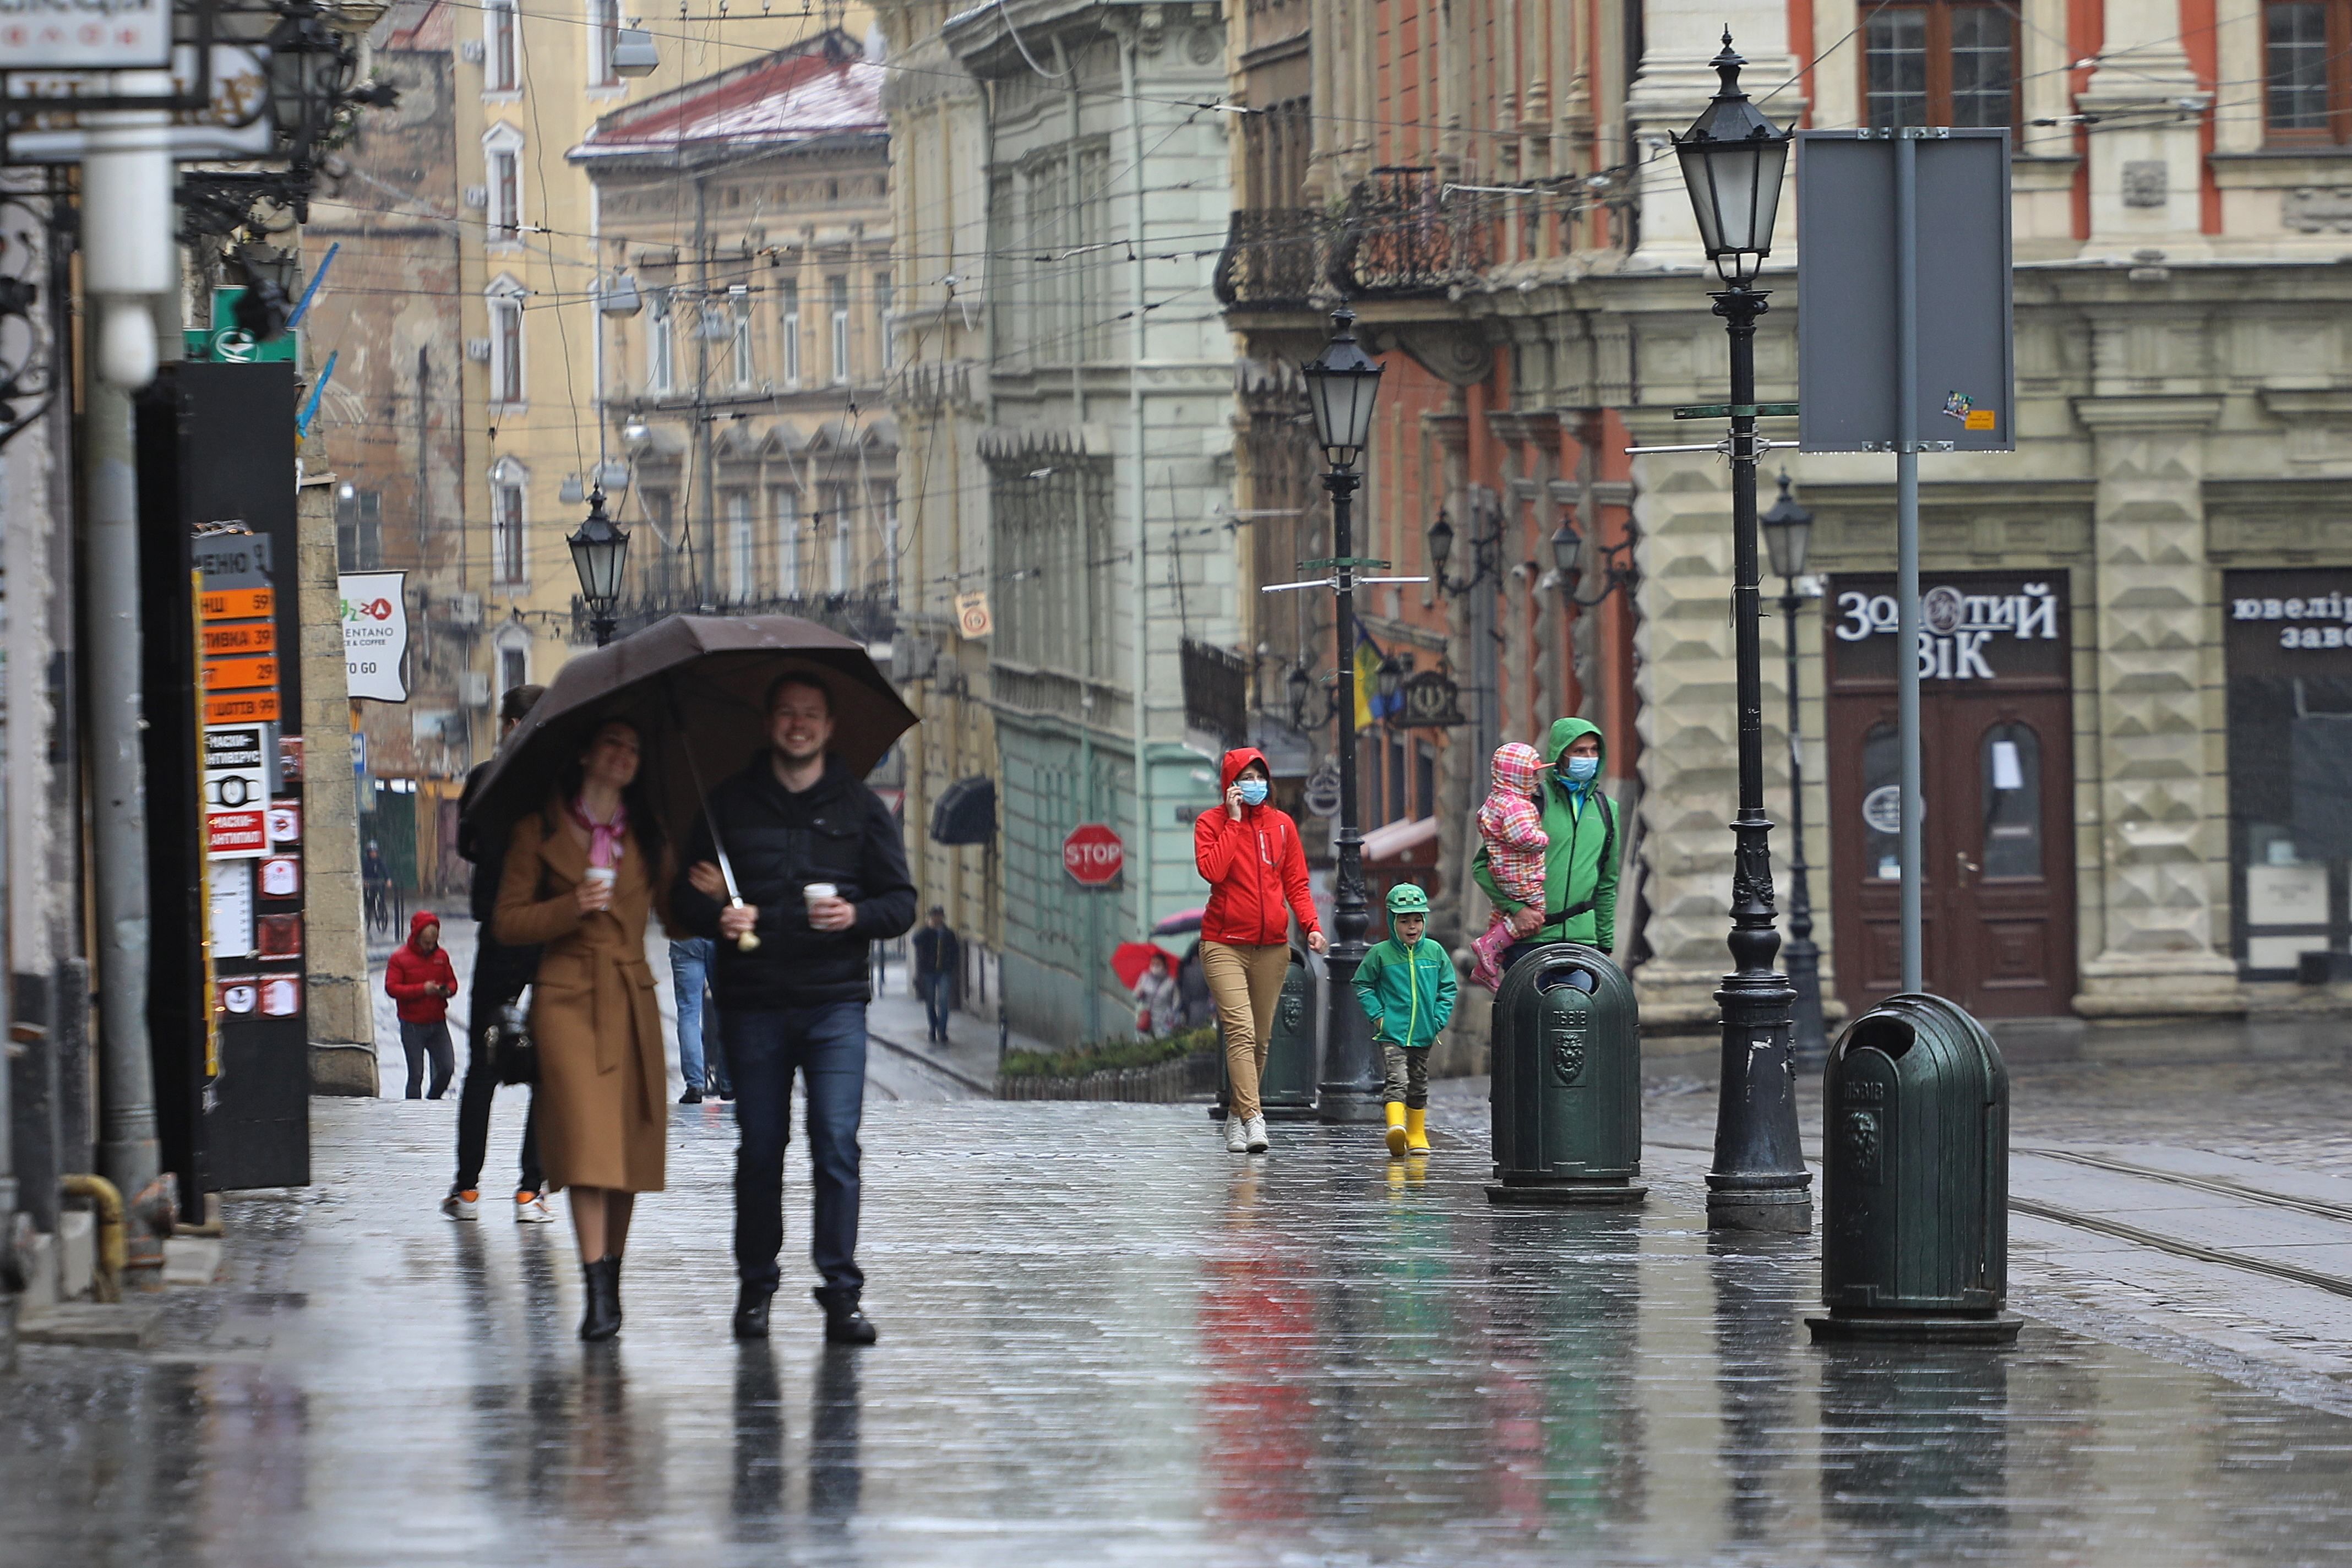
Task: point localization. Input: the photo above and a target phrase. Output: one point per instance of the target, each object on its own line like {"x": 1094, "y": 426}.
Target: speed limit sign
{"x": 972, "y": 616}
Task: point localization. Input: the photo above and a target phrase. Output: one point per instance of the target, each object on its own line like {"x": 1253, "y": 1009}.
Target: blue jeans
{"x": 689, "y": 970}
{"x": 826, "y": 1046}
{"x": 938, "y": 991}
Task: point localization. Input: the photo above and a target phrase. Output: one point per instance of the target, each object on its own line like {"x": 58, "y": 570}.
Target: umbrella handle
{"x": 747, "y": 941}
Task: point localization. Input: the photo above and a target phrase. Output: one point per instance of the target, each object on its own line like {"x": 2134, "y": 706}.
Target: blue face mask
{"x": 1252, "y": 792}
{"x": 1581, "y": 769}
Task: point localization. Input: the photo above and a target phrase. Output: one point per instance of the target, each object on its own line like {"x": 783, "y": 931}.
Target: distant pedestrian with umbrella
{"x": 583, "y": 875}
{"x": 1158, "y": 1003}
{"x": 819, "y": 874}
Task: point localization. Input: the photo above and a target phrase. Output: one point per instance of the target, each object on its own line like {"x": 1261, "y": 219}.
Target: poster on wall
{"x": 376, "y": 634}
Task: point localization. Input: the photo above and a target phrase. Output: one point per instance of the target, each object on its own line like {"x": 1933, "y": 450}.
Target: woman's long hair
{"x": 638, "y": 799}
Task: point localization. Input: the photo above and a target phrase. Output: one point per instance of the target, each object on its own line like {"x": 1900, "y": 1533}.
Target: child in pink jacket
{"x": 1512, "y": 826}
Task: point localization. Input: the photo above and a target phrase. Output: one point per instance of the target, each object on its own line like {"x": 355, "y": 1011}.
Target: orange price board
{"x": 224, "y": 674}
{"x": 244, "y": 636}
{"x": 242, "y": 708}
{"x": 237, "y": 603}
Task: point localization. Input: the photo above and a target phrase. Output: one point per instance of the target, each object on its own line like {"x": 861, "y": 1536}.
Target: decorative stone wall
{"x": 341, "y": 1016}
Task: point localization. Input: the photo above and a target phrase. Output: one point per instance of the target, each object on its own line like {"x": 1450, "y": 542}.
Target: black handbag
{"x": 512, "y": 1050}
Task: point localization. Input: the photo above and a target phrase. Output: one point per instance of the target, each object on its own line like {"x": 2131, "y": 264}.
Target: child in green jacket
{"x": 1406, "y": 987}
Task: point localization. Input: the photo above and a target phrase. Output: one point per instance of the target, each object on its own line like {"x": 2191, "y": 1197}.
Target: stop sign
{"x": 1093, "y": 855}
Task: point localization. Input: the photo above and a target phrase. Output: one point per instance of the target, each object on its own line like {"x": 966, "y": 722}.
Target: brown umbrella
{"x": 696, "y": 686}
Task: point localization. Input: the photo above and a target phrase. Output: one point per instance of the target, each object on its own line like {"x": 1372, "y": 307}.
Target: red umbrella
{"x": 1132, "y": 958}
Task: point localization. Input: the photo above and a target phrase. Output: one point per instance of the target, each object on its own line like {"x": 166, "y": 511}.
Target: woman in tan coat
{"x": 582, "y": 875}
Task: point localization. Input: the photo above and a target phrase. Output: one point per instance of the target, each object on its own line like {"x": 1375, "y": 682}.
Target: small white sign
{"x": 1881, "y": 809}
{"x": 74, "y": 35}
{"x": 375, "y": 632}
{"x": 232, "y": 908}
{"x": 2006, "y": 773}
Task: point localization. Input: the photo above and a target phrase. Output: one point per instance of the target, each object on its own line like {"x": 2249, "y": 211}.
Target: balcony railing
{"x": 1273, "y": 259}
{"x": 1216, "y": 691}
{"x": 1403, "y": 235}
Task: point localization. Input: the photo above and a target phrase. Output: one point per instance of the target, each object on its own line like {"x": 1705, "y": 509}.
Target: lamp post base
{"x": 1567, "y": 1195}
{"x": 1916, "y": 1328}
{"x": 1783, "y": 1211}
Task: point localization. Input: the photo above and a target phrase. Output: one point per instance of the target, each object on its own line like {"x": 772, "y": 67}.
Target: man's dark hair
{"x": 799, "y": 678}
{"x": 940, "y": 910}
{"x": 519, "y": 701}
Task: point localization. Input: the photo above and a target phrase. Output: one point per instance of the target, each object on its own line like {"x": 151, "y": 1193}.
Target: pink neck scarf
{"x": 603, "y": 837}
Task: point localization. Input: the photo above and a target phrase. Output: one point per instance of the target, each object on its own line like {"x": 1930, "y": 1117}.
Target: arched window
{"x": 510, "y": 488}
{"x": 502, "y": 180}
{"x": 505, "y": 298}
{"x": 2012, "y": 802}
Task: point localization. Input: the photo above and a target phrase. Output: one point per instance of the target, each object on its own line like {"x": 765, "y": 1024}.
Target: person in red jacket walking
{"x": 1250, "y": 856}
{"x": 420, "y": 979}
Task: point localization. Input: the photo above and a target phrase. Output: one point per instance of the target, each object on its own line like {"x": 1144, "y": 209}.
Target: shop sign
{"x": 2320, "y": 621}
{"x": 1429, "y": 700}
{"x": 374, "y": 608}
{"x": 1972, "y": 625}
{"x": 42, "y": 35}
{"x": 2281, "y": 625}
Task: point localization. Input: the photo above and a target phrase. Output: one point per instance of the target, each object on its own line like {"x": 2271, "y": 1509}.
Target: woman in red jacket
{"x": 1250, "y": 856}
{"x": 420, "y": 979}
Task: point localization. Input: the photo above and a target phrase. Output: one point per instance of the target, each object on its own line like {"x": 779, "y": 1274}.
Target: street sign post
{"x": 1892, "y": 219}
{"x": 1093, "y": 855}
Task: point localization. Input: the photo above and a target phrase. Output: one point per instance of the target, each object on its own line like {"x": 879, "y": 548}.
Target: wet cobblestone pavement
{"x": 1104, "y": 1340}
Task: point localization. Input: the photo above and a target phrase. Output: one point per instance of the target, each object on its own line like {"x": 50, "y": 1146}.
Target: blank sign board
{"x": 1846, "y": 323}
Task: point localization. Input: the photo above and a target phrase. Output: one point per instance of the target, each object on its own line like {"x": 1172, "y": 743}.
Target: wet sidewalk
{"x": 1104, "y": 1340}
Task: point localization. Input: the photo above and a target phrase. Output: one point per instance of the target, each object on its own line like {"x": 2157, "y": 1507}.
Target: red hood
{"x": 419, "y": 920}
{"x": 1238, "y": 759}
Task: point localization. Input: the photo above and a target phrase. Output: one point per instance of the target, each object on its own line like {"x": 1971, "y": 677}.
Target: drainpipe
{"x": 129, "y": 259}
{"x": 1145, "y": 816}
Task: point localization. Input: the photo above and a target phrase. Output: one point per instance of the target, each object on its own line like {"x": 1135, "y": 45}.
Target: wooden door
{"x": 1997, "y": 888}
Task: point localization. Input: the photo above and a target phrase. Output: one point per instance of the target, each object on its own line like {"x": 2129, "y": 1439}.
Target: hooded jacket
{"x": 1580, "y": 863}
{"x": 1406, "y": 991}
{"x": 408, "y": 972}
{"x": 1256, "y": 867}
{"x": 838, "y": 831}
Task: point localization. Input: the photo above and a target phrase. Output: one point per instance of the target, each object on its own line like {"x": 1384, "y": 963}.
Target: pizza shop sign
{"x": 1961, "y": 631}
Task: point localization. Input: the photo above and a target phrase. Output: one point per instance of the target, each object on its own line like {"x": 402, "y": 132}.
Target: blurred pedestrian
{"x": 582, "y": 876}
{"x": 419, "y": 978}
{"x": 821, "y": 868}
{"x": 1159, "y": 1005}
{"x": 1579, "y": 901}
{"x": 500, "y": 973}
{"x": 701, "y": 1059}
{"x": 1249, "y": 854}
{"x": 1405, "y": 985}
{"x": 939, "y": 960}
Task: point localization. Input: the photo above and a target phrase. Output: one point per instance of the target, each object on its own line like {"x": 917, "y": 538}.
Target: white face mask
{"x": 1252, "y": 791}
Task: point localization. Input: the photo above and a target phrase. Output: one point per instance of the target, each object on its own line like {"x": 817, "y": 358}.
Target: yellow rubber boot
{"x": 1416, "y": 1132}
{"x": 1396, "y": 1131}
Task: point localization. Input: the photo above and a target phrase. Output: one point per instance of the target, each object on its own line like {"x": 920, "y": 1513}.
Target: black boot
{"x": 751, "y": 1312}
{"x": 602, "y": 1320}
{"x": 844, "y": 1323}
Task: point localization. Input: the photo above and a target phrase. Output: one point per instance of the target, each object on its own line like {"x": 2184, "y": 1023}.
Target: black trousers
{"x": 497, "y": 981}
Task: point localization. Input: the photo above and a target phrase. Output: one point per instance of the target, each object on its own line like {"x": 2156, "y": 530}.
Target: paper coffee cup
{"x": 816, "y": 890}
{"x": 602, "y": 876}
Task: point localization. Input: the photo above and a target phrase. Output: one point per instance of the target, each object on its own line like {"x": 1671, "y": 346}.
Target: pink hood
{"x": 1518, "y": 767}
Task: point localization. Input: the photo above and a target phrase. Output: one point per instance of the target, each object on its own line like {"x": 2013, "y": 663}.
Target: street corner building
{"x": 2134, "y": 649}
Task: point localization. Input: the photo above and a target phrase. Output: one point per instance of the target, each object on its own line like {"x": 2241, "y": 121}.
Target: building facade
{"x": 2124, "y": 669}
{"x": 743, "y": 345}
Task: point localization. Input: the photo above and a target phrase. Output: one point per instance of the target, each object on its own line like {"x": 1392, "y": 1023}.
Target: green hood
{"x": 1565, "y": 732}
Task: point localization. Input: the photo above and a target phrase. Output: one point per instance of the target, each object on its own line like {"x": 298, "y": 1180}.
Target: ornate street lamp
{"x": 599, "y": 551}
{"x": 1787, "y": 533}
{"x": 1389, "y": 680}
{"x": 310, "y": 68}
{"x": 1732, "y": 160}
{"x": 1341, "y": 388}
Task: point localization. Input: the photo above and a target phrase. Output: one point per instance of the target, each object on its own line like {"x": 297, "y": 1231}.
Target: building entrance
{"x": 1997, "y": 753}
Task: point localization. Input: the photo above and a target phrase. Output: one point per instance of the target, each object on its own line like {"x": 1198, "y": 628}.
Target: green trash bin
{"x": 1566, "y": 1095}
{"x": 1285, "y": 1089}
{"x": 1915, "y": 1194}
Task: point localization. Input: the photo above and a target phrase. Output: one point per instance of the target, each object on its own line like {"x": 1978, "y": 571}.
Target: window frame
{"x": 837, "y": 293}
{"x": 508, "y": 350}
{"x": 2336, "y": 39}
{"x": 791, "y": 314}
{"x": 604, "y": 34}
{"x": 1939, "y": 48}
{"x": 510, "y": 524}
{"x": 784, "y": 517}
{"x": 501, "y": 45}
{"x": 738, "y": 346}
{"x": 503, "y": 176}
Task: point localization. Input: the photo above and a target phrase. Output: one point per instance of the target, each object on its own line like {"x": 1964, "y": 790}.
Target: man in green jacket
{"x": 1580, "y": 862}
{"x": 1405, "y": 986}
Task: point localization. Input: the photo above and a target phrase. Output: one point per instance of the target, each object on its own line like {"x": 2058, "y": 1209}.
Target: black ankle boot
{"x": 602, "y": 1320}
{"x": 844, "y": 1323}
{"x": 751, "y": 1312}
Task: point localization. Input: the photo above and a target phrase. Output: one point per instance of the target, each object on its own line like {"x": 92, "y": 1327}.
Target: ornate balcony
{"x": 1273, "y": 259}
{"x": 1403, "y": 236}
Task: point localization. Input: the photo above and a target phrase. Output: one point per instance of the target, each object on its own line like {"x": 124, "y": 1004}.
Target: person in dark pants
{"x": 701, "y": 1061}
{"x": 420, "y": 980}
{"x": 939, "y": 960}
{"x": 823, "y": 874}
{"x": 500, "y": 973}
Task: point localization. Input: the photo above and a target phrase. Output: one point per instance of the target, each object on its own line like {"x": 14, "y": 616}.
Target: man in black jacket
{"x": 795, "y": 823}
{"x": 500, "y": 973}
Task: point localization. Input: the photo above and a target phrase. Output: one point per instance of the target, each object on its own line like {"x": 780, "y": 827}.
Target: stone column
{"x": 2147, "y": 164}
{"x": 2152, "y": 931}
{"x": 1679, "y": 36}
{"x": 1685, "y": 682}
{"x": 343, "y": 1015}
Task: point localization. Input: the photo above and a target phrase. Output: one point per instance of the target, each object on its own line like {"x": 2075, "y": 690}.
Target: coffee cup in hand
{"x": 601, "y": 876}
{"x": 817, "y": 892}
